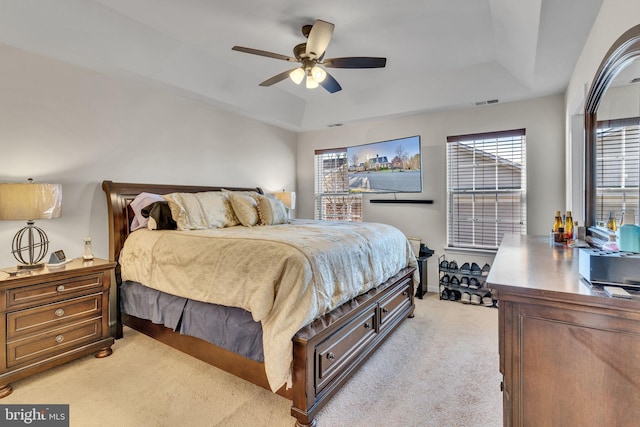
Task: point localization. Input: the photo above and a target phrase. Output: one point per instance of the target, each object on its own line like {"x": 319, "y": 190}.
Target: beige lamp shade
{"x": 30, "y": 201}
{"x": 288, "y": 198}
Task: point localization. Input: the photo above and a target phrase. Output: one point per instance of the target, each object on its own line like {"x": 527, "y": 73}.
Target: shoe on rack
{"x": 475, "y": 269}
{"x": 444, "y": 265}
{"x": 487, "y": 300}
{"x": 453, "y": 266}
{"x": 455, "y": 281}
{"x": 465, "y": 298}
{"x": 445, "y": 280}
{"x": 476, "y": 299}
{"x": 464, "y": 282}
{"x": 465, "y": 269}
{"x": 445, "y": 294}
{"x": 485, "y": 269}
{"x": 454, "y": 295}
{"x": 474, "y": 284}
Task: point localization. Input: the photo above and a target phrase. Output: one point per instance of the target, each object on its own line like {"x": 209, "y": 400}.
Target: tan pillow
{"x": 271, "y": 210}
{"x": 245, "y": 207}
{"x": 197, "y": 211}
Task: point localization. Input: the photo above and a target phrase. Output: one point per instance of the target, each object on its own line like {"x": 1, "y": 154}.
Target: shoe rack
{"x": 465, "y": 283}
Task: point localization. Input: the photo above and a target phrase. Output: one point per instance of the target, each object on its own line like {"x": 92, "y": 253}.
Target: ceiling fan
{"x": 310, "y": 56}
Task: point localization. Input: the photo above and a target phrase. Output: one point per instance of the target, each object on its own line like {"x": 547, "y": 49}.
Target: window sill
{"x": 490, "y": 252}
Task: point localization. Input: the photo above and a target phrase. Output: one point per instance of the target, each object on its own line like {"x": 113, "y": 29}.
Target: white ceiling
{"x": 441, "y": 54}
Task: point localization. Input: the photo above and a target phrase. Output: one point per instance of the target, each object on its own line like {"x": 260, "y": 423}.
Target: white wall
{"x": 543, "y": 120}
{"x": 64, "y": 124}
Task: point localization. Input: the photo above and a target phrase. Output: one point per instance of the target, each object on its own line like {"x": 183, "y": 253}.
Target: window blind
{"x": 617, "y": 168}
{"x": 332, "y": 199}
{"x": 486, "y": 188}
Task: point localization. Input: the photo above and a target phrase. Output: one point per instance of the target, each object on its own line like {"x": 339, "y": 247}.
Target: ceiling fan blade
{"x": 330, "y": 84}
{"x": 319, "y": 38}
{"x": 263, "y": 53}
{"x": 355, "y": 62}
{"x": 277, "y": 78}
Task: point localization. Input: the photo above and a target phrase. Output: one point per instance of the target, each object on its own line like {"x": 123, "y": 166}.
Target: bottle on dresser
{"x": 568, "y": 227}
{"x": 629, "y": 234}
{"x": 558, "y": 228}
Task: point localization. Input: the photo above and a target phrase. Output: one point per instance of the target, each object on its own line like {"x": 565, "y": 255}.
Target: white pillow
{"x": 197, "y": 211}
{"x": 140, "y": 202}
{"x": 245, "y": 207}
{"x": 271, "y": 210}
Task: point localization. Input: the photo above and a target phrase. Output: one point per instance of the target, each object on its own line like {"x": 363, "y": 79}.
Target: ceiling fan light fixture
{"x": 297, "y": 75}
{"x": 311, "y": 83}
{"x": 318, "y": 74}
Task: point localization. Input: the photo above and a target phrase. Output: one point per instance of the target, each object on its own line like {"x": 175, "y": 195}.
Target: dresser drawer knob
{"x": 367, "y": 325}
{"x": 60, "y": 288}
{"x": 331, "y": 356}
{"x": 59, "y": 338}
{"x": 385, "y": 310}
{"x": 405, "y": 294}
{"x": 59, "y": 312}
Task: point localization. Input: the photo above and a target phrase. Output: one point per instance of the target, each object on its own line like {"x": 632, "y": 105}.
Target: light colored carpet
{"x": 439, "y": 369}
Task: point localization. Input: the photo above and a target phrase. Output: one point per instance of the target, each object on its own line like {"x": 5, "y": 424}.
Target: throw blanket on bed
{"x": 285, "y": 275}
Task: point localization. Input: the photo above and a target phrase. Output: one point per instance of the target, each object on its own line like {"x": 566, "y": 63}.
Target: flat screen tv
{"x": 392, "y": 166}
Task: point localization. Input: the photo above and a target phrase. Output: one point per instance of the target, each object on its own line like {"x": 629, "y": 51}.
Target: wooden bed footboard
{"x": 326, "y": 353}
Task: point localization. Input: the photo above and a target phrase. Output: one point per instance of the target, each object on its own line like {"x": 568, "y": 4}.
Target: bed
{"x": 333, "y": 334}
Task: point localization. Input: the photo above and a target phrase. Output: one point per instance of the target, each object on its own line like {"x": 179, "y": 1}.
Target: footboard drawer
{"x": 337, "y": 351}
{"x": 396, "y": 303}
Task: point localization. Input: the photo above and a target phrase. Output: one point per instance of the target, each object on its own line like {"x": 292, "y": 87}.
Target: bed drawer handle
{"x": 59, "y": 338}
{"x": 59, "y": 312}
{"x": 367, "y": 325}
{"x": 331, "y": 356}
{"x": 60, "y": 288}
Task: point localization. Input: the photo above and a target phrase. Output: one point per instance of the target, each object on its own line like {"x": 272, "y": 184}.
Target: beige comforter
{"x": 285, "y": 275}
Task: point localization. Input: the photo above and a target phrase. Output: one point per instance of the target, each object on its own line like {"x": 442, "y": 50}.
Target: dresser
{"x": 569, "y": 354}
{"x": 52, "y": 316}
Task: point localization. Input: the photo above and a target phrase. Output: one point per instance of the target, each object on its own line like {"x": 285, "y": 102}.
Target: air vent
{"x": 487, "y": 102}
{"x": 335, "y": 125}
{"x": 636, "y": 80}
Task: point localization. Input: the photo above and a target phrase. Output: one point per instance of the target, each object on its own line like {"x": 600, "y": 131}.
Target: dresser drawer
{"x": 53, "y": 291}
{"x": 38, "y": 319}
{"x": 395, "y": 304}
{"x": 336, "y": 353}
{"x": 45, "y": 345}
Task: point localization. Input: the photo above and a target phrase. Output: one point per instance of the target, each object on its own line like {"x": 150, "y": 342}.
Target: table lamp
{"x": 288, "y": 198}
{"x": 30, "y": 201}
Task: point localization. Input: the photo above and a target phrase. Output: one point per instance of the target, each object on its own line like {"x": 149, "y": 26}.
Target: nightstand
{"x": 52, "y": 316}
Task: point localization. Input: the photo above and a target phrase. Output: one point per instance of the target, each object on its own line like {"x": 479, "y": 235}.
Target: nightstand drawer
{"x": 42, "y": 318}
{"x": 42, "y": 346}
{"x": 53, "y": 291}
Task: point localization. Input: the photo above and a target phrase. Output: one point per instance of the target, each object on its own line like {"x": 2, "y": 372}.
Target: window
{"x": 617, "y": 168}
{"x": 486, "y": 188}
{"x": 333, "y": 201}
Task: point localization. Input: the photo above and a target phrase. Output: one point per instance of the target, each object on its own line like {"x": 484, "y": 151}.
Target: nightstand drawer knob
{"x": 60, "y": 288}
{"x": 59, "y": 338}
{"x": 59, "y": 312}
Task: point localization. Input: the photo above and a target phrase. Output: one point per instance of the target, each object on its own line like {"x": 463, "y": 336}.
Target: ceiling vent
{"x": 487, "y": 102}
{"x": 636, "y": 80}
{"x": 334, "y": 125}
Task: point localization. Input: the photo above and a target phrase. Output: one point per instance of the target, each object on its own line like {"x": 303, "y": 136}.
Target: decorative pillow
{"x": 197, "y": 211}
{"x": 271, "y": 210}
{"x": 245, "y": 208}
{"x": 159, "y": 216}
{"x": 141, "y": 201}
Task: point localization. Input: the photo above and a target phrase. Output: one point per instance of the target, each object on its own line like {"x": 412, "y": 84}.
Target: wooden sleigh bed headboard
{"x": 326, "y": 352}
{"x": 121, "y": 194}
